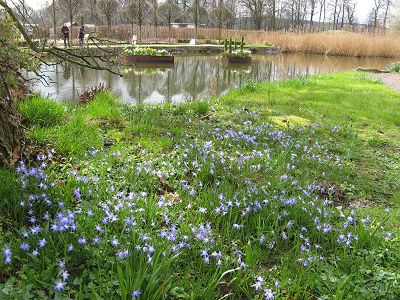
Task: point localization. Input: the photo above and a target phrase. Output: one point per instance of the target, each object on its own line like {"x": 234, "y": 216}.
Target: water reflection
{"x": 192, "y": 77}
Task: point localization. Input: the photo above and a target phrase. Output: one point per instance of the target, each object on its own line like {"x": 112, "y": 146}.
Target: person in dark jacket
{"x": 81, "y": 35}
{"x": 65, "y": 32}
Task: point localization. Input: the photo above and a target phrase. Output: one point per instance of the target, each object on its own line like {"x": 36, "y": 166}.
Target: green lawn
{"x": 286, "y": 190}
{"x": 364, "y": 107}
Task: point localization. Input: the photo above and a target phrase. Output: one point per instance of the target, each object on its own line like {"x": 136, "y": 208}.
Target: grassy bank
{"x": 277, "y": 190}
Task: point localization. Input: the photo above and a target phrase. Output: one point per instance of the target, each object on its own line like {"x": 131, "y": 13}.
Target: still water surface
{"x": 192, "y": 77}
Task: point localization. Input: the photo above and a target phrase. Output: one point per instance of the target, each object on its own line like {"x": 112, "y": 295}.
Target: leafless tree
{"x": 154, "y": 13}
{"x": 375, "y": 12}
{"x": 169, "y": 12}
{"x": 221, "y": 15}
{"x": 350, "y": 11}
{"x": 313, "y": 4}
{"x": 257, "y": 10}
{"x": 336, "y": 12}
{"x": 137, "y": 12}
{"x": 234, "y": 7}
{"x": 322, "y": 11}
{"x": 109, "y": 9}
{"x": 272, "y": 13}
{"x": 197, "y": 14}
{"x": 388, "y": 4}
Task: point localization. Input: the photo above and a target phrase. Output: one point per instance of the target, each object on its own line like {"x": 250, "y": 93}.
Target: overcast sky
{"x": 363, "y": 7}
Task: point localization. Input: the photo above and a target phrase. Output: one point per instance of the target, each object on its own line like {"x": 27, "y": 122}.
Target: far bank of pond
{"x": 193, "y": 77}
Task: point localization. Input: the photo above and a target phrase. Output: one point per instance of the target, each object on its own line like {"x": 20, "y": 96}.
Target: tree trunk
{"x": 54, "y": 24}
{"x": 312, "y": 16}
{"x": 12, "y": 137}
{"x": 140, "y": 33}
{"x": 71, "y": 20}
{"x": 342, "y": 24}
{"x": 388, "y": 3}
{"x": 273, "y": 16}
{"x": 155, "y": 18}
{"x": 334, "y": 15}
{"x": 169, "y": 32}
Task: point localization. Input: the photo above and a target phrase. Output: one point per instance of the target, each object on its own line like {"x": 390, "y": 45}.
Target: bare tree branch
{"x": 68, "y": 55}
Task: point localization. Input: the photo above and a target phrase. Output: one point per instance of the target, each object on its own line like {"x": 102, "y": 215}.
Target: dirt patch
{"x": 341, "y": 198}
{"x": 3, "y": 277}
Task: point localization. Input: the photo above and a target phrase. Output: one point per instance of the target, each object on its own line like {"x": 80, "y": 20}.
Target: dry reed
{"x": 338, "y": 43}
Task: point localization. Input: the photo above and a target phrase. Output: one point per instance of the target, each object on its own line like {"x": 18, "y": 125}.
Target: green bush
{"x": 183, "y": 40}
{"x": 395, "y": 67}
{"x": 42, "y": 112}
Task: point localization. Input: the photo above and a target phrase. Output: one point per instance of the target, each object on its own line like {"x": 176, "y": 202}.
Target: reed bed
{"x": 337, "y": 43}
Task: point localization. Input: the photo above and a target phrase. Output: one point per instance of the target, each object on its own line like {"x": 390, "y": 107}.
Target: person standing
{"x": 81, "y": 35}
{"x": 65, "y": 32}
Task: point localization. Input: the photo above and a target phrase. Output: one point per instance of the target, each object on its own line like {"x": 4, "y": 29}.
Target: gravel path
{"x": 391, "y": 80}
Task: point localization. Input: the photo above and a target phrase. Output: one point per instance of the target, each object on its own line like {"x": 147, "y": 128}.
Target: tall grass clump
{"x": 41, "y": 111}
{"x": 10, "y": 191}
{"x": 105, "y": 106}
{"x": 72, "y": 138}
{"x": 250, "y": 85}
{"x": 142, "y": 118}
{"x": 199, "y": 107}
{"x": 78, "y": 136}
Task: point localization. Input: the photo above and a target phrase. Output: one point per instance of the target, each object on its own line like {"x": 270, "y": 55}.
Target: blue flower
{"x": 389, "y": 235}
{"x": 259, "y": 283}
{"x": 82, "y": 241}
{"x": 24, "y": 246}
{"x": 42, "y": 243}
{"x": 77, "y": 194}
{"x": 136, "y": 294}
{"x": 269, "y": 294}
{"x": 62, "y": 264}
{"x": 59, "y": 285}
{"x": 64, "y": 275}
{"x": 7, "y": 254}
{"x": 114, "y": 242}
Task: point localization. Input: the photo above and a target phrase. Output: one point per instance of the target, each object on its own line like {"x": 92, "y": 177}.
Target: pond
{"x": 191, "y": 77}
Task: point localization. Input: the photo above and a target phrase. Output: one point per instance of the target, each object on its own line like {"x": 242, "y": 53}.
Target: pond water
{"x": 191, "y": 77}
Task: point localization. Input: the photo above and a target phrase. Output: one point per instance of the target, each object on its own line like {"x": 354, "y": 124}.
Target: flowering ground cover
{"x": 283, "y": 190}
{"x": 145, "y": 51}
